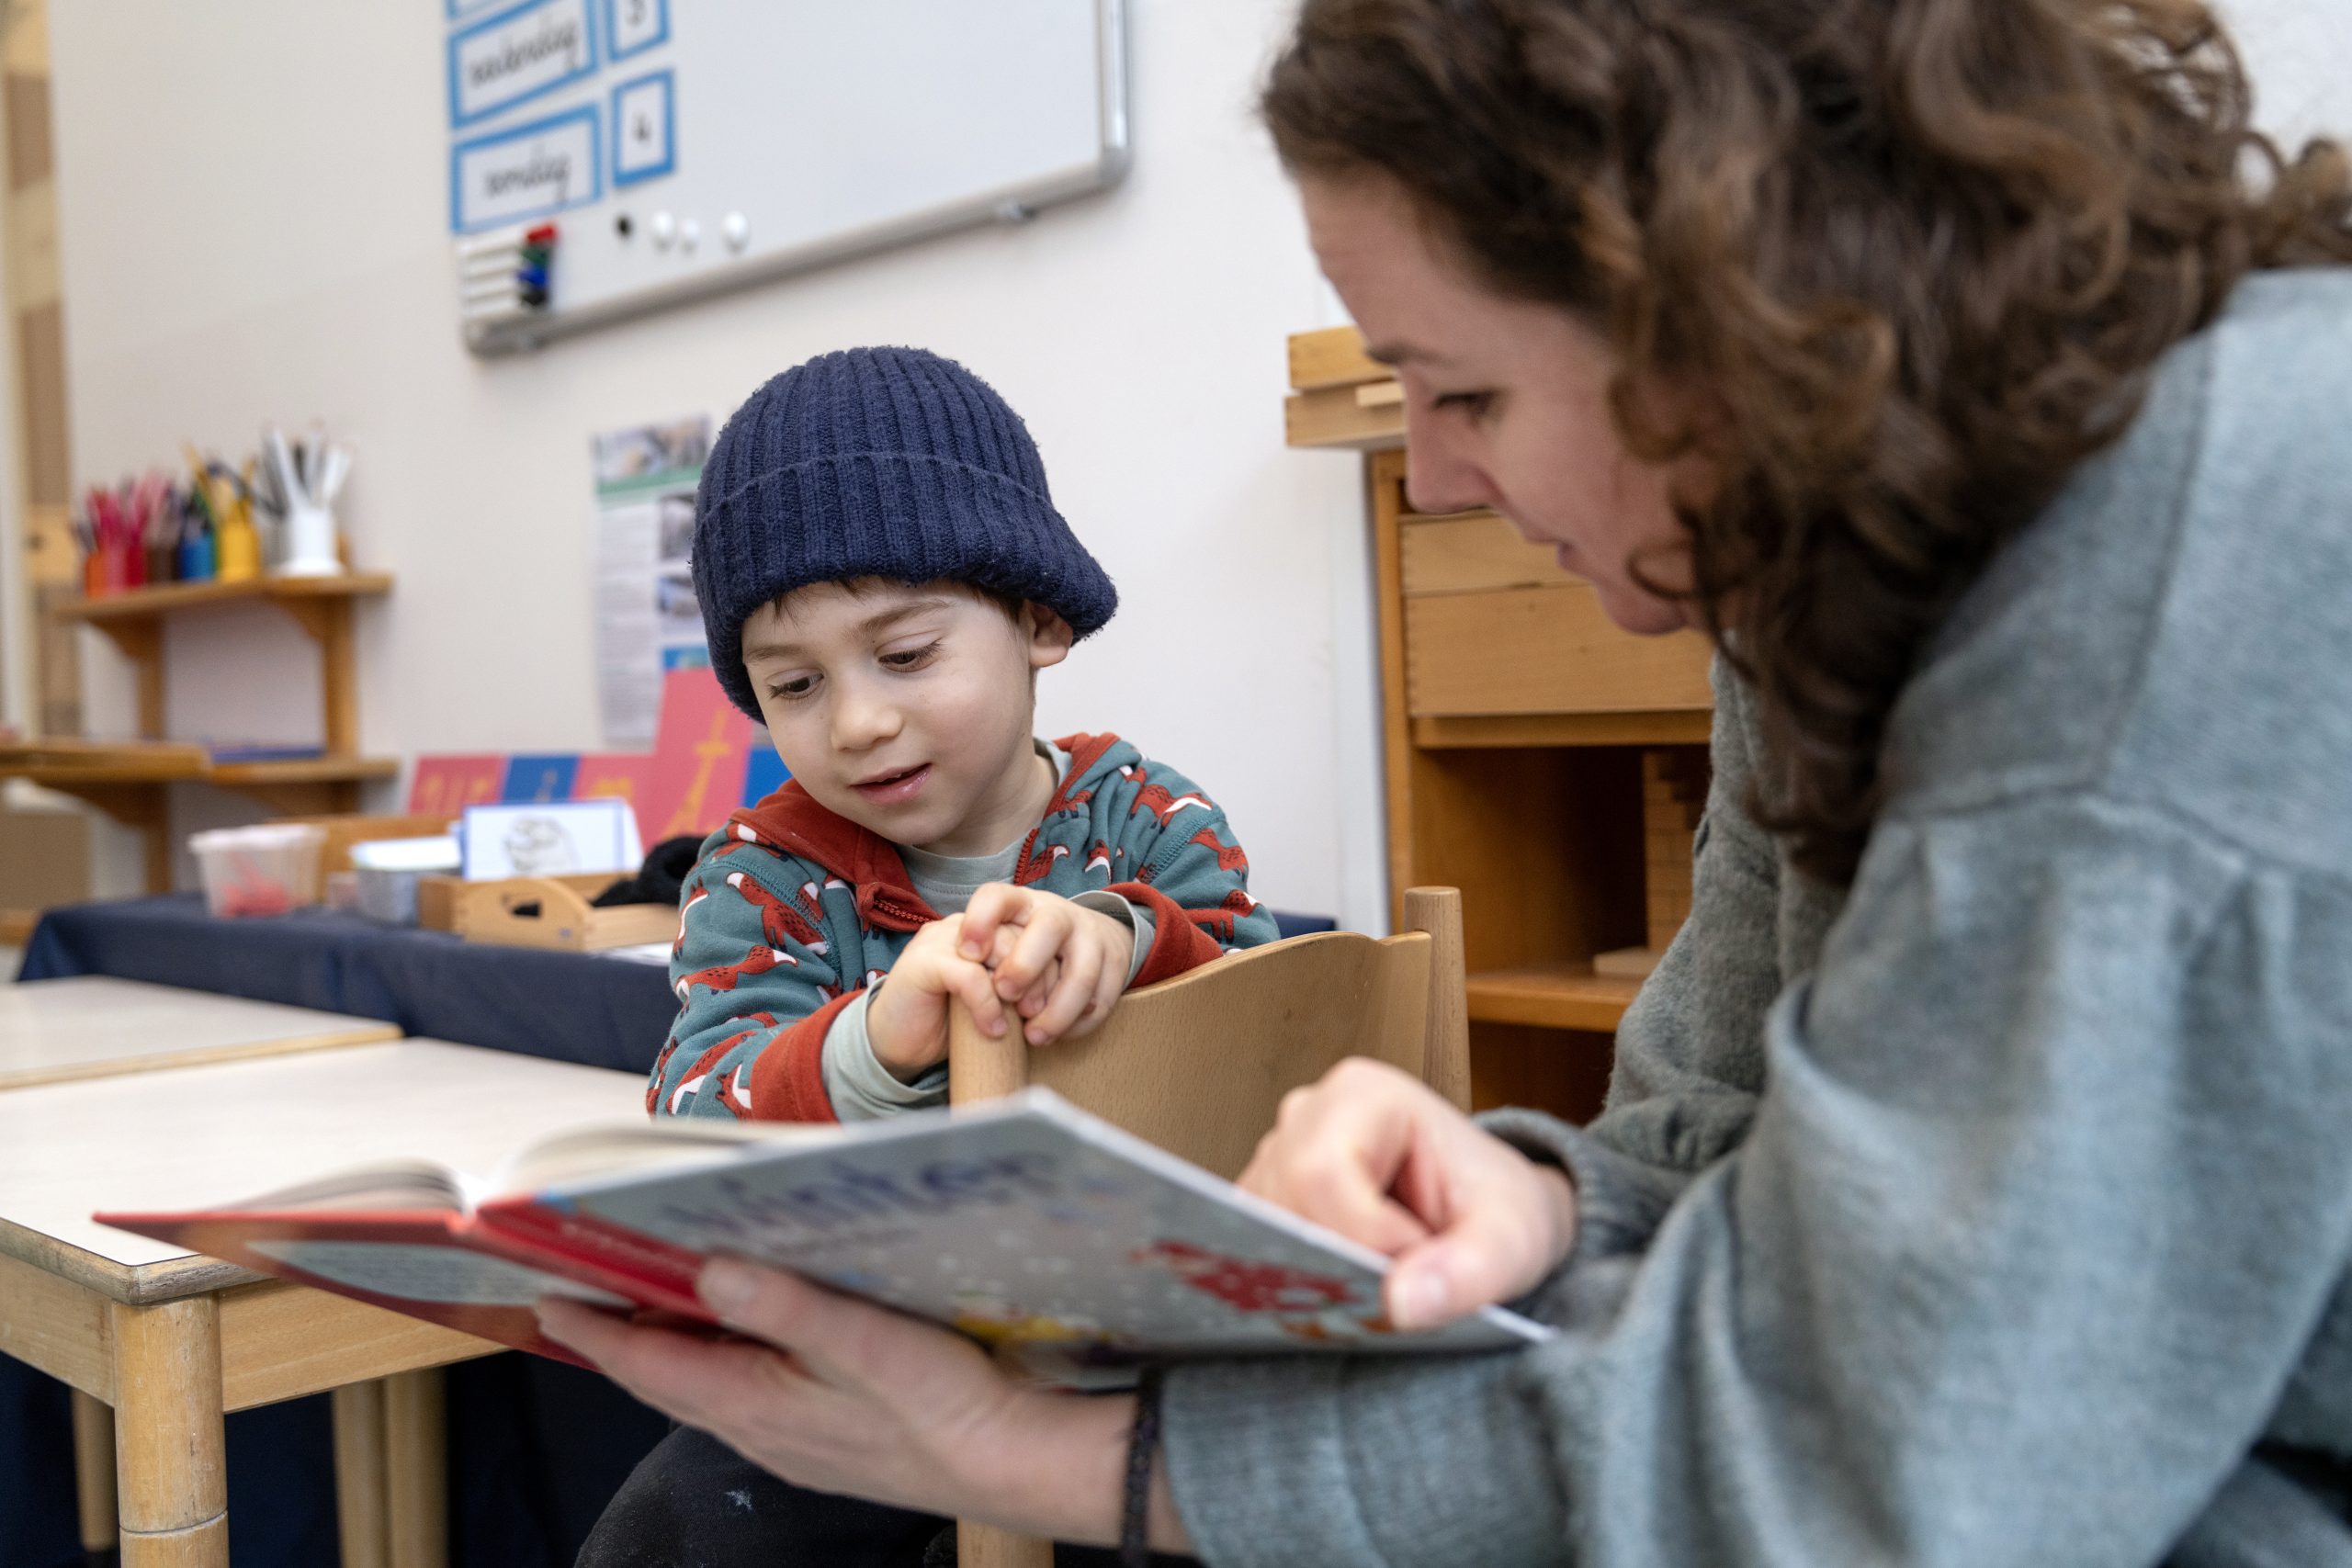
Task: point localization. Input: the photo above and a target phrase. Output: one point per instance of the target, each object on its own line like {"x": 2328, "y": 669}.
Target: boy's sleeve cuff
{"x": 1177, "y": 945}
{"x": 788, "y": 1078}
{"x": 1136, "y": 919}
{"x": 859, "y": 1087}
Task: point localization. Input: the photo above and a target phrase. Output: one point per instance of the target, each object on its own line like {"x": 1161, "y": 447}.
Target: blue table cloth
{"x": 535, "y": 1448}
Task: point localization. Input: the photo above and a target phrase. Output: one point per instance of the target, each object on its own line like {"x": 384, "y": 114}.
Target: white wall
{"x": 2299, "y": 55}
{"x": 253, "y": 221}
{"x": 253, "y": 227}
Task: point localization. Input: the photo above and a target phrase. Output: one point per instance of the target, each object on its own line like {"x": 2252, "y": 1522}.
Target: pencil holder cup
{"x": 236, "y": 551}
{"x": 309, "y": 543}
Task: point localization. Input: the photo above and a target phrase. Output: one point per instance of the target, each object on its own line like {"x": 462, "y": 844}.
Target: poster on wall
{"x": 647, "y": 620}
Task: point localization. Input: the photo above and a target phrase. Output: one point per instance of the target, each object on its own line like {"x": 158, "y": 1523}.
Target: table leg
{"x": 93, "y": 1470}
{"x": 169, "y": 1465}
{"x": 416, "y": 1482}
{"x": 359, "y": 1473}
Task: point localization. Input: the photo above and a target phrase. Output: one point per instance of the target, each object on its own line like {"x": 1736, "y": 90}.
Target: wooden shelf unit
{"x": 1535, "y": 756}
{"x": 133, "y": 621}
{"x": 130, "y": 780}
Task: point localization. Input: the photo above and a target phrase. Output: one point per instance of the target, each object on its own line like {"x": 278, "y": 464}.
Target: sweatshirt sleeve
{"x": 1690, "y": 1058}
{"x": 757, "y": 989}
{"x": 1191, "y": 879}
{"x": 2028, "y": 1232}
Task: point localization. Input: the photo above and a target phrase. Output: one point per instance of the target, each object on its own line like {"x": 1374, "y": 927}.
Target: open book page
{"x": 395, "y": 1184}
{"x": 599, "y": 1149}
{"x": 1027, "y": 1221}
{"x": 628, "y": 1148}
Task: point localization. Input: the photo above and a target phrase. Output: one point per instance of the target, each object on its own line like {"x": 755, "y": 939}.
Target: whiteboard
{"x": 680, "y": 148}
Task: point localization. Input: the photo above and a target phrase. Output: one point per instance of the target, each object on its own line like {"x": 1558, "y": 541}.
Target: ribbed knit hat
{"x": 879, "y": 462}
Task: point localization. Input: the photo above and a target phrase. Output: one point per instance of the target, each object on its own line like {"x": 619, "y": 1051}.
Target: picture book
{"x": 1025, "y": 1223}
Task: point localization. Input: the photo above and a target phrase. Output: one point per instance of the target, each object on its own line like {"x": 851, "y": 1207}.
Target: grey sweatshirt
{"x": 1999, "y": 1212}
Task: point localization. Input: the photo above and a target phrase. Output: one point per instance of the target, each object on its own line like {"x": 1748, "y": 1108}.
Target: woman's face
{"x": 1506, "y": 402}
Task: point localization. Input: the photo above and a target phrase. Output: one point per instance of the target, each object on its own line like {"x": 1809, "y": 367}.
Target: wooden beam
{"x": 281, "y": 1340}
{"x": 56, "y": 1326}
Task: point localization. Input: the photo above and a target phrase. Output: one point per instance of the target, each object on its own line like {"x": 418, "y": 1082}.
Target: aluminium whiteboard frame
{"x": 1007, "y": 204}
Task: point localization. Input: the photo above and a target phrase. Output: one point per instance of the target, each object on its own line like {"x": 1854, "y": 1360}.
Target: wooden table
{"x": 95, "y": 1026}
{"x": 170, "y": 1341}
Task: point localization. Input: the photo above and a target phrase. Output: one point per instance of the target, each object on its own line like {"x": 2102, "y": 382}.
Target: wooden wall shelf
{"x": 1568, "y": 995}
{"x": 1680, "y": 726}
{"x": 133, "y": 621}
{"x": 167, "y": 598}
{"x": 130, "y": 781}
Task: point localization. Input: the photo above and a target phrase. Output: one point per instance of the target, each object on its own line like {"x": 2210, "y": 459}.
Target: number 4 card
{"x": 644, "y": 122}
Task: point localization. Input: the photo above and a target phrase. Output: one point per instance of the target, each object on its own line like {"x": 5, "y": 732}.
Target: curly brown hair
{"x": 1919, "y": 254}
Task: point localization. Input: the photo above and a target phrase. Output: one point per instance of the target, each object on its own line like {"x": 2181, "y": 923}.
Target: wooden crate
{"x": 541, "y": 912}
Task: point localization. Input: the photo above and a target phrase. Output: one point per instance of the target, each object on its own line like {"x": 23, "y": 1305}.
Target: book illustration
{"x": 995, "y": 1321}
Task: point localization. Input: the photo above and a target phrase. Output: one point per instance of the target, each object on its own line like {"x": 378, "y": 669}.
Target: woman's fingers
{"x": 824, "y": 1390}
{"x": 1335, "y": 1149}
{"x": 690, "y": 1375}
{"x": 1375, "y": 1154}
{"x": 1505, "y": 1235}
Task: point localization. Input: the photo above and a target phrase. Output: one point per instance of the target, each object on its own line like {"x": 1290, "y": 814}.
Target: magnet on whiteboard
{"x": 689, "y": 234}
{"x": 1014, "y": 212}
{"x": 664, "y": 228}
{"x": 738, "y": 230}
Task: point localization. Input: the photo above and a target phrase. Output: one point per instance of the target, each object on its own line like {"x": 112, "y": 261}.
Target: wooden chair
{"x": 1199, "y": 1065}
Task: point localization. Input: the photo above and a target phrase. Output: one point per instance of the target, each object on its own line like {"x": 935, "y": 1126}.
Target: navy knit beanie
{"x": 879, "y": 462}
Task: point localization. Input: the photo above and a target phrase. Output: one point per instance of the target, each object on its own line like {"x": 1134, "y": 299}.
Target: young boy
{"x": 882, "y": 574}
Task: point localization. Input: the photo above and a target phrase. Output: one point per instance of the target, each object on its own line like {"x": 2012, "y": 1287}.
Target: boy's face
{"x": 906, "y": 709}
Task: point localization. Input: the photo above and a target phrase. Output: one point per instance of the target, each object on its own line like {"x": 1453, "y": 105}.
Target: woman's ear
{"x": 1049, "y": 635}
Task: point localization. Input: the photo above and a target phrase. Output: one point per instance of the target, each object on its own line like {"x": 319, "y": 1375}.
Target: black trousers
{"x": 696, "y": 1503}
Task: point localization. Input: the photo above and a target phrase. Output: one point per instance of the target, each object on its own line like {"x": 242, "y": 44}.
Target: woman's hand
{"x": 1377, "y": 1155}
{"x": 841, "y": 1395}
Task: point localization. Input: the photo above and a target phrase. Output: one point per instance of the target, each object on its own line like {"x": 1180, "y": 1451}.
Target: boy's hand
{"x": 1059, "y": 965}
{"x": 907, "y": 1021}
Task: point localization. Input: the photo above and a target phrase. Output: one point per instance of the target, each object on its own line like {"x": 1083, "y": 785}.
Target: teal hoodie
{"x": 794, "y": 911}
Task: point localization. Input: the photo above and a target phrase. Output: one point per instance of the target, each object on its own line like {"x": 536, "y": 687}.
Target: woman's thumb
{"x": 1475, "y": 1262}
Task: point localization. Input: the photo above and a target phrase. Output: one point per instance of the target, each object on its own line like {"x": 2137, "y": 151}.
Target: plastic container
{"x": 263, "y": 870}
{"x": 386, "y": 871}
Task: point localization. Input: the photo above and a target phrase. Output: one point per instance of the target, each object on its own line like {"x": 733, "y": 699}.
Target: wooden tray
{"x": 541, "y": 912}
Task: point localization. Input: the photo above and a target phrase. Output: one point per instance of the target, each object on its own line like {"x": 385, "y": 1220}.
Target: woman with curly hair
{"x": 1974, "y": 1185}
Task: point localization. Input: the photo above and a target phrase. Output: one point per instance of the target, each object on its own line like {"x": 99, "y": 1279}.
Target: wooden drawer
{"x": 1464, "y": 553}
{"x": 1493, "y": 626}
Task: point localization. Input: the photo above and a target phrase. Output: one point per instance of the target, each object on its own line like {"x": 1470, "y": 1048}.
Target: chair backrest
{"x": 1198, "y": 1065}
